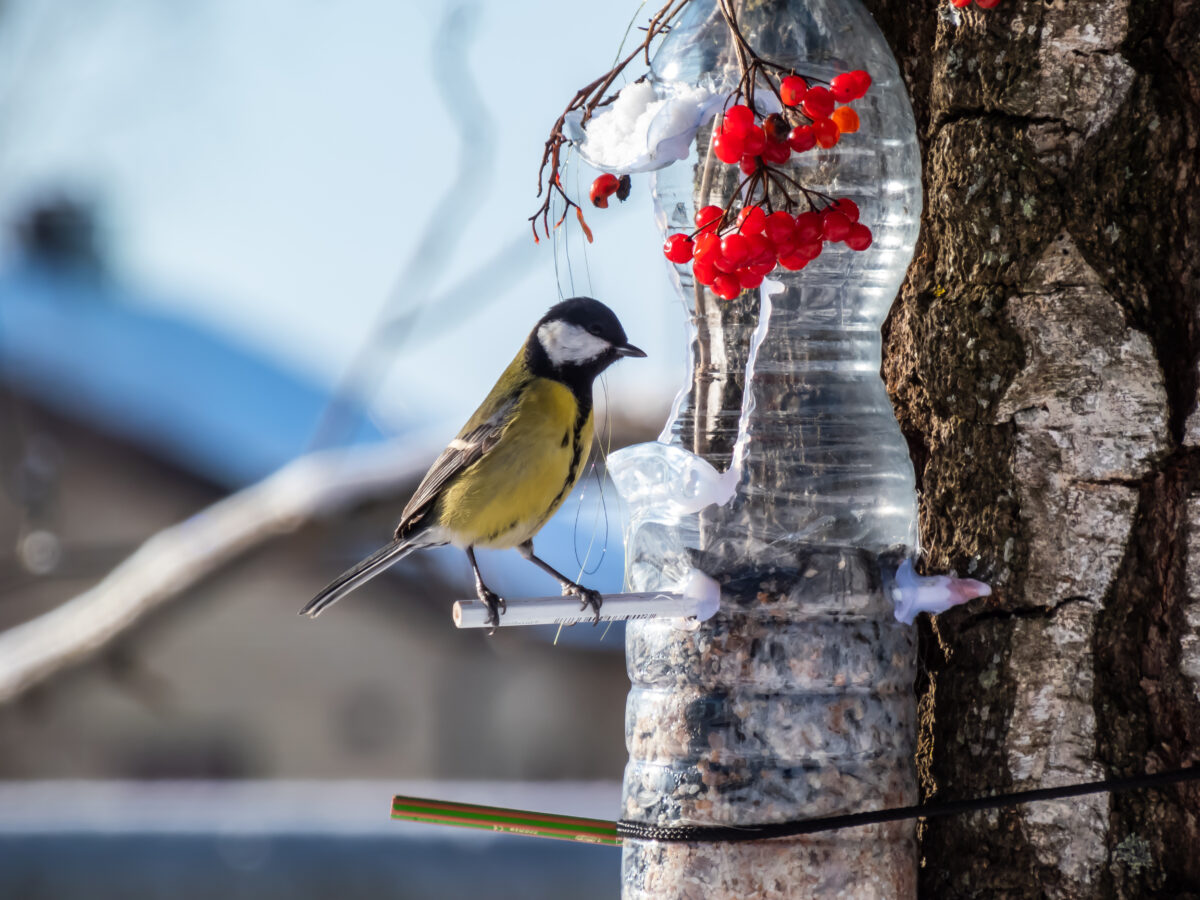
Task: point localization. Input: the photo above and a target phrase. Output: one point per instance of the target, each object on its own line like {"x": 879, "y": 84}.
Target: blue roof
{"x": 93, "y": 351}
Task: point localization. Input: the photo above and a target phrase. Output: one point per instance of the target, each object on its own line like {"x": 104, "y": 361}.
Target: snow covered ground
{"x": 294, "y": 839}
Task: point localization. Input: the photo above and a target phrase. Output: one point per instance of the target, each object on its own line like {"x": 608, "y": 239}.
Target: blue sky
{"x": 268, "y": 167}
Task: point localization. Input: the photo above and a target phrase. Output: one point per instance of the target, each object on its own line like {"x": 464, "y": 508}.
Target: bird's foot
{"x": 587, "y": 597}
{"x": 495, "y": 606}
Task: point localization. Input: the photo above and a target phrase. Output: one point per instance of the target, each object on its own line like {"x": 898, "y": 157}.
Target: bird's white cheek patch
{"x": 568, "y": 344}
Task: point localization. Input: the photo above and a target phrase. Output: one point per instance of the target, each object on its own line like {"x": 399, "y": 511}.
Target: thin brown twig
{"x": 808, "y": 192}
{"x": 753, "y": 70}
{"x": 588, "y": 99}
{"x": 741, "y": 48}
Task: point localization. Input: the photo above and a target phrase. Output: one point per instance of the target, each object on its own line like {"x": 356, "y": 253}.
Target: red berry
{"x": 705, "y": 244}
{"x": 847, "y": 207}
{"x": 810, "y": 250}
{"x": 751, "y": 220}
{"x": 678, "y": 248}
{"x": 764, "y": 268}
{"x": 834, "y": 225}
{"x": 755, "y": 141}
{"x": 740, "y": 117}
{"x": 826, "y": 132}
{"x": 987, "y": 4}
{"x": 862, "y": 81}
{"x": 960, "y": 3}
{"x": 802, "y": 138}
{"x": 749, "y": 279}
{"x": 818, "y": 103}
{"x": 845, "y": 119}
{"x": 793, "y": 262}
{"x": 730, "y": 128}
{"x": 704, "y": 271}
{"x": 791, "y": 90}
{"x": 859, "y": 237}
{"x": 844, "y": 87}
{"x": 749, "y": 164}
{"x": 708, "y": 218}
{"x": 760, "y": 250}
{"x": 779, "y": 227}
{"x": 776, "y": 152}
{"x": 775, "y": 127}
{"x": 724, "y": 264}
{"x": 728, "y": 149}
{"x": 603, "y": 188}
{"x": 808, "y": 227}
{"x": 735, "y": 248}
{"x": 726, "y": 286}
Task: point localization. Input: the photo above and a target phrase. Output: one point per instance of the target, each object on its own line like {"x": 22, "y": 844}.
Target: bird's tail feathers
{"x": 357, "y": 575}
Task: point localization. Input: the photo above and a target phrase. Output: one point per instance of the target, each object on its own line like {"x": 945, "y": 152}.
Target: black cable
{"x": 714, "y": 833}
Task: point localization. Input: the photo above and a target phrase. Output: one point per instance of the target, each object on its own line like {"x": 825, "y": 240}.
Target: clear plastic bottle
{"x": 796, "y": 699}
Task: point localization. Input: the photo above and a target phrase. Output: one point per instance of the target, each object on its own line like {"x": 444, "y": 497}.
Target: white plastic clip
{"x": 914, "y": 594}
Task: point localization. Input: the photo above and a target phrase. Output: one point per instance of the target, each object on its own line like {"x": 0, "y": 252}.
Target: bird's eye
{"x": 594, "y": 329}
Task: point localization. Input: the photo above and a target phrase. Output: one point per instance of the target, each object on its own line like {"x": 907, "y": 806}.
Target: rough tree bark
{"x": 1042, "y": 359}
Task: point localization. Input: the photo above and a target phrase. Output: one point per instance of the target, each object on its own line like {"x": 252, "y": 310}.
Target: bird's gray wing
{"x": 466, "y": 449}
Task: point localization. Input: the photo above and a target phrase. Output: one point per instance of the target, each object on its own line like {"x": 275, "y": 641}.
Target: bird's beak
{"x": 629, "y": 350}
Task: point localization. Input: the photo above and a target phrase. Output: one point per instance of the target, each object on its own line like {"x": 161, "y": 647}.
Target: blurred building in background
{"x": 121, "y": 422}
{"x": 117, "y": 422}
{"x": 209, "y": 214}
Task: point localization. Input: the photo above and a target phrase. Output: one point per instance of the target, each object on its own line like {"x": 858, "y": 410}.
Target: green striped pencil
{"x": 507, "y": 821}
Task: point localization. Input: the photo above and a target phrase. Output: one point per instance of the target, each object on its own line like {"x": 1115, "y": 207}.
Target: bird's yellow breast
{"x": 504, "y": 498}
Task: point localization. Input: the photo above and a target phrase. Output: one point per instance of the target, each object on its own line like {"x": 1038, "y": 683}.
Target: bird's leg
{"x": 495, "y": 603}
{"x": 587, "y": 596}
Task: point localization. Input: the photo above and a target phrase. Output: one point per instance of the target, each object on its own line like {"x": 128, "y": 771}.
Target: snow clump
{"x": 649, "y": 126}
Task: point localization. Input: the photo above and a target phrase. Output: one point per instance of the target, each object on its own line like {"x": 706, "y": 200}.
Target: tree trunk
{"x": 1042, "y": 360}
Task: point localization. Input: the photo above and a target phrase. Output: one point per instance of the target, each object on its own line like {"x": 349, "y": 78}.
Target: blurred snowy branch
{"x": 171, "y": 561}
{"x": 433, "y": 252}
{"x": 324, "y": 481}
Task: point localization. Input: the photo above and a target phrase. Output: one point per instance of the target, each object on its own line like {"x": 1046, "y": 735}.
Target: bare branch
{"x": 434, "y": 247}
{"x": 754, "y": 72}
{"x": 171, "y": 561}
{"x": 588, "y": 99}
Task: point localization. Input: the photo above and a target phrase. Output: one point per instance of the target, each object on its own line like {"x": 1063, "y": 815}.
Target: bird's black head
{"x": 577, "y": 340}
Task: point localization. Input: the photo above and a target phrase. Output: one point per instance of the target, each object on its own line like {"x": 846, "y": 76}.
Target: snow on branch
{"x": 176, "y": 558}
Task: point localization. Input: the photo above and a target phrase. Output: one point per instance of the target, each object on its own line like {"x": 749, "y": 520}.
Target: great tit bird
{"x": 514, "y": 462}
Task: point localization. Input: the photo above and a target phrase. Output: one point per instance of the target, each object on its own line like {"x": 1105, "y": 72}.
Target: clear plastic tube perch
{"x": 695, "y": 599}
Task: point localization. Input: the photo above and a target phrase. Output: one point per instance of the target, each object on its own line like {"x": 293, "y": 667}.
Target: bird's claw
{"x": 495, "y": 606}
{"x": 587, "y": 597}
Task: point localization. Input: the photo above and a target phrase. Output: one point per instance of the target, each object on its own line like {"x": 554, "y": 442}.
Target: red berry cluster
{"x": 983, "y": 4}
{"x": 737, "y": 140}
{"x": 738, "y": 258}
{"x": 732, "y": 256}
